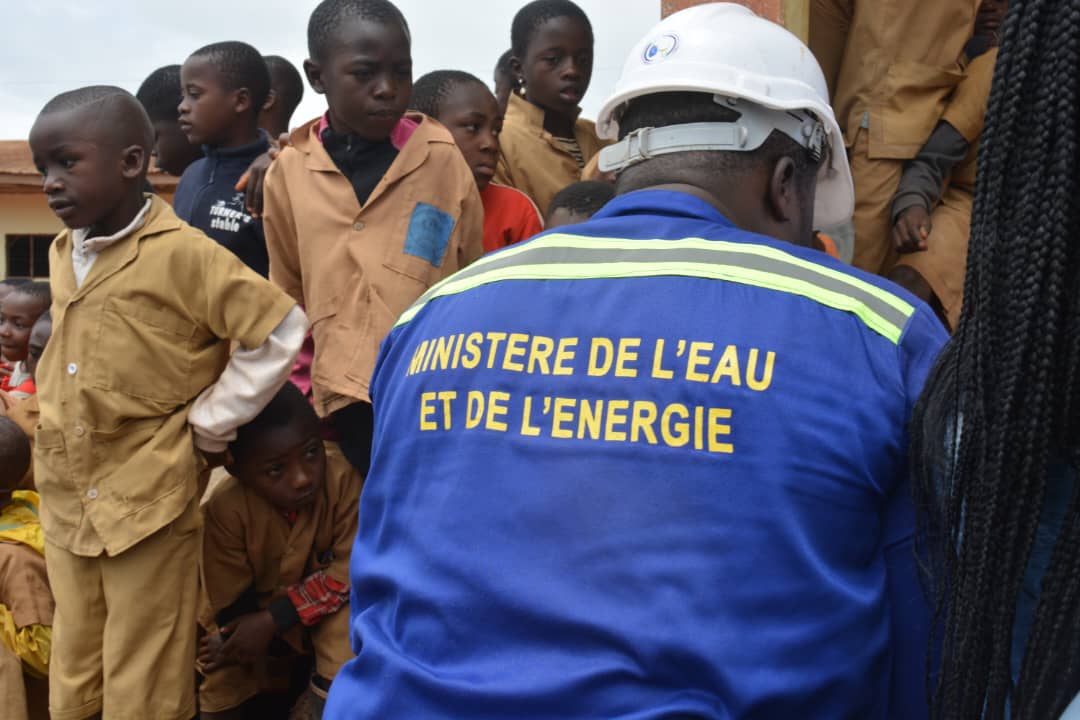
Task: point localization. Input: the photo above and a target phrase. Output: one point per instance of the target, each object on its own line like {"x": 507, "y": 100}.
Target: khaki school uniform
{"x": 901, "y": 61}
{"x": 250, "y": 545}
{"x": 115, "y": 462}
{"x": 533, "y": 161}
{"x": 944, "y": 263}
{"x": 356, "y": 269}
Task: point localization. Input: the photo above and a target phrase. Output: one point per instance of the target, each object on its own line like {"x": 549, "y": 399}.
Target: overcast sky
{"x": 50, "y": 47}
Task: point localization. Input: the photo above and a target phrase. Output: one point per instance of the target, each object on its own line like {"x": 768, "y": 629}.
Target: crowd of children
{"x": 161, "y": 346}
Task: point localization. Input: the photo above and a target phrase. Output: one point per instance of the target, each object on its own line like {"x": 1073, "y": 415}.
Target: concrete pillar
{"x": 792, "y": 14}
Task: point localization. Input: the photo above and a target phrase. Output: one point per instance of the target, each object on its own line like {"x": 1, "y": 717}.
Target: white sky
{"x": 53, "y": 46}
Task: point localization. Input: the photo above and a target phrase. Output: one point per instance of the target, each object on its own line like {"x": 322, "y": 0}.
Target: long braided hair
{"x": 1003, "y": 397}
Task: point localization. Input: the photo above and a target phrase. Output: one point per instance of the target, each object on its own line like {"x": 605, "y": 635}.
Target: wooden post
{"x": 792, "y": 14}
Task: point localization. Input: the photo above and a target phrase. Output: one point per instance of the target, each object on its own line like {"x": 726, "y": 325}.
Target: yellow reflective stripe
{"x": 571, "y": 271}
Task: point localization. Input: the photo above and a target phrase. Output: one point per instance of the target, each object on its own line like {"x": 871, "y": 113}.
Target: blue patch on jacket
{"x": 429, "y": 232}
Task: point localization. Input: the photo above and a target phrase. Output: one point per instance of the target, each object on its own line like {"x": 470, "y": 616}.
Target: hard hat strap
{"x": 746, "y": 134}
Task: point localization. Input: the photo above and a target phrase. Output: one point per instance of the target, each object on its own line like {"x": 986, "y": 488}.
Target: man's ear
{"x": 313, "y": 70}
{"x": 783, "y": 195}
{"x": 133, "y": 160}
{"x": 241, "y": 100}
{"x": 270, "y": 102}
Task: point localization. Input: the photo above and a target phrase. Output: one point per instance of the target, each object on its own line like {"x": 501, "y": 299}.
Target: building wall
{"x": 24, "y": 213}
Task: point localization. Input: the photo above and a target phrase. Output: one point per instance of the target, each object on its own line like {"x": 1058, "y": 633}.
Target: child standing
{"x": 26, "y": 604}
{"x": 136, "y": 380}
{"x": 19, "y": 310}
{"x": 224, "y": 86}
{"x": 470, "y": 112}
{"x": 367, "y": 208}
{"x": 160, "y": 95}
{"x": 286, "y": 92}
{"x": 545, "y": 145}
{"x": 276, "y": 552}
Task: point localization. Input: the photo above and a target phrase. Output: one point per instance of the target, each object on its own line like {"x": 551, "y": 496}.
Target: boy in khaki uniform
{"x": 366, "y": 209}
{"x": 136, "y": 380}
{"x": 932, "y": 208}
{"x": 901, "y": 59}
{"x": 278, "y": 539}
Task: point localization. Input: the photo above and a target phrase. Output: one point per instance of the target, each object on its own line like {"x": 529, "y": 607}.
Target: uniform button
{"x": 79, "y": 431}
{"x": 358, "y": 225}
{"x": 72, "y": 368}
{"x": 92, "y": 493}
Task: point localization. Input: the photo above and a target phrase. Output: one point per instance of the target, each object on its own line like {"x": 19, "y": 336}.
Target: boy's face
{"x": 366, "y": 77}
{"x": 210, "y": 114}
{"x": 39, "y": 338}
{"x": 173, "y": 152}
{"x": 286, "y": 465}
{"x": 86, "y": 177}
{"x": 557, "y": 66}
{"x": 18, "y": 313}
{"x": 472, "y": 116}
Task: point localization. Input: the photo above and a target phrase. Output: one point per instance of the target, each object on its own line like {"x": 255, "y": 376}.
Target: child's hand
{"x": 911, "y": 230}
{"x": 251, "y": 183}
{"x": 209, "y": 657}
{"x": 247, "y": 638}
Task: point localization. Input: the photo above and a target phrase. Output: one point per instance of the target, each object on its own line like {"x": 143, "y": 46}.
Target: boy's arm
{"x": 226, "y": 572}
{"x": 923, "y": 181}
{"x": 326, "y": 591}
{"x": 268, "y": 328}
{"x": 467, "y": 239}
{"x": 279, "y": 226}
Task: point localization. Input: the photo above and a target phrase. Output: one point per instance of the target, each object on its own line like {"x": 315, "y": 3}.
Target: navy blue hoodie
{"x": 206, "y": 198}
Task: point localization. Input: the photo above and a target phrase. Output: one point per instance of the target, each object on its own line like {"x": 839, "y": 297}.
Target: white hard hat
{"x": 754, "y": 66}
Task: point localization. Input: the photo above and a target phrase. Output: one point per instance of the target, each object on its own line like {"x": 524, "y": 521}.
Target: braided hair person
{"x": 996, "y": 431}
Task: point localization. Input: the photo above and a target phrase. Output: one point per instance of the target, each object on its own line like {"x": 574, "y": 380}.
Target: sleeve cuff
{"x": 210, "y": 445}
{"x": 903, "y": 202}
{"x": 284, "y": 614}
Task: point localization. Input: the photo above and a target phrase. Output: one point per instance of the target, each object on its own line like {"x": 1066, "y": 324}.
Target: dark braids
{"x": 1002, "y": 398}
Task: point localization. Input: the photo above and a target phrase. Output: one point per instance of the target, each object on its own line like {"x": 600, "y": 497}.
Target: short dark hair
{"x": 240, "y": 66}
{"x": 286, "y": 82}
{"x": 678, "y": 108}
{"x": 288, "y": 405}
{"x": 37, "y": 289}
{"x": 530, "y": 17}
{"x": 330, "y": 14}
{"x": 429, "y": 92}
{"x": 502, "y": 65}
{"x": 127, "y": 121}
{"x": 582, "y": 198}
{"x": 14, "y": 453}
{"x": 160, "y": 93}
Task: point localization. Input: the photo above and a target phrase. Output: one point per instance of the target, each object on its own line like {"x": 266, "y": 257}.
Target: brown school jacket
{"x": 356, "y": 269}
{"x": 24, "y": 585}
{"x": 532, "y": 161}
{"x": 967, "y": 113}
{"x": 901, "y": 61}
{"x": 150, "y": 329}
{"x": 247, "y": 542}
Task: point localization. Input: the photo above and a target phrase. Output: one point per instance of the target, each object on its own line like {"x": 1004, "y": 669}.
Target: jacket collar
{"x": 522, "y": 111}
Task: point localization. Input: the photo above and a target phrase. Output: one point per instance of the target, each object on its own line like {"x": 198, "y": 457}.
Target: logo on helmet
{"x": 660, "y": 48}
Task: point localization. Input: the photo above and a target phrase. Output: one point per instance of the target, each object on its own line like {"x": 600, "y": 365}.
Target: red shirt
{"x": 509, "y": 217}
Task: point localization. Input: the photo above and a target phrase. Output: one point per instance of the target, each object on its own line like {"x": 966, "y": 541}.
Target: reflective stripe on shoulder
{"x": 573, "y": 257}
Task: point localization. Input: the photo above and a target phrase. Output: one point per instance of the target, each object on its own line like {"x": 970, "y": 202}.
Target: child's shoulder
{"x": 343, "y": 482}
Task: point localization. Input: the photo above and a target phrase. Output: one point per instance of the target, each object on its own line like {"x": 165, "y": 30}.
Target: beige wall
{"x": 24, "y": 213}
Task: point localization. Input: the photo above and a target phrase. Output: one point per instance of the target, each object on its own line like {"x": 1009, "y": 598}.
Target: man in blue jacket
{"x": 653, "y": 465}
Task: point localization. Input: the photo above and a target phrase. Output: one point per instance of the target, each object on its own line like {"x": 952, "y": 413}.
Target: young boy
{"x": 19, "y": 310}
{"x": 135, "y": 382}
{"x": 505, "y": 81}
{"x": 578, "y": 202}
{"x": 160, "y": 95}
{"x": 276, "y": 550}
{"x": 545, "y": 145}
{"x": 286, "y": 92}
{"x": 470, "y": 112}
{"x": 25, "y": 411}
{"x": 224, "y": 87}
{"x": 367, "y": 208}
{"x": 26, "y": 604}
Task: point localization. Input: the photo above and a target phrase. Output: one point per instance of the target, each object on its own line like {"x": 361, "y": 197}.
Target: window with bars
{"x": 28, "y": 255}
